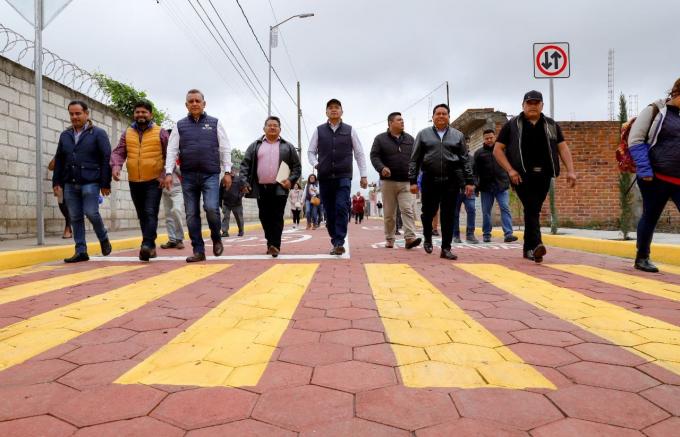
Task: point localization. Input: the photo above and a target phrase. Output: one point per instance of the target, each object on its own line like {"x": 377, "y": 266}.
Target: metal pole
{"x": 299, "y": 117}
{"x": 553, "y": 208}
{"x": 37, "y": 68}
{"x": 269, "y": 94}
{"x": 448, "y": 102}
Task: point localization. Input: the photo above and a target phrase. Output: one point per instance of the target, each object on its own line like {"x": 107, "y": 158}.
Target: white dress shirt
{"x": 224, "y": 148}
{"x": 356, "y": 146}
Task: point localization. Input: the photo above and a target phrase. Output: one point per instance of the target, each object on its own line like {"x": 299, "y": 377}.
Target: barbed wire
{"x": 20, "y": 49}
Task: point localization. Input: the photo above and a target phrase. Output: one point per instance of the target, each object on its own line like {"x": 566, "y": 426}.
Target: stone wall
{"x": 17, "y": 155}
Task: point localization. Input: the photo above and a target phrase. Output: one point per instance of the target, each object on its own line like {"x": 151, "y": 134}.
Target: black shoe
{"x": 153, "y": 254}
{"x": 487, "y": 239}
{"x": 397, "y": 233}
{"x": 457, "y": 240}
{"x": 472, "y": 240}
{"x": 78, "y": 257}
{"x": 435, "y": 232}
{"x": 273, "y": 251}
{"x": 645, "y": 265}
{"x": 106, "y": 247}
{"x": 218, "y": 248}
{"x": 509, "y": 239}
{"x": 410, "y": 244}
{"x": 447, "y": 254}
{"x": 240, "y": 233}
{"x": 427, "y": 245}
{"x": 169, "y": 245}
{"x": 529, "y": 254}
{"x": 196, "y": 257}
{"x": 224, "y": 234}
{"x": 144, "y": 253}
{"x": 539, "y": 253}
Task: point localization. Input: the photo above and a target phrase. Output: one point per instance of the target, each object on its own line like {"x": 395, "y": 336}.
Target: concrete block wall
{"x": 17, "y": 155}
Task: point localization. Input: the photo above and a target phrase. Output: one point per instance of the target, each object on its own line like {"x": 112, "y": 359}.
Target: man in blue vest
{"x": 204, "y": 152}
{"x": 330, "y": 151}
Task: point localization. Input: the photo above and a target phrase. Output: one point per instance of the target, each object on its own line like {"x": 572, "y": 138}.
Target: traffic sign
{"x": 551, "y": 60}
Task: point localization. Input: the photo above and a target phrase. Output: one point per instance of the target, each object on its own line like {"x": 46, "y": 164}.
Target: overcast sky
{"x": 375, "y": 56}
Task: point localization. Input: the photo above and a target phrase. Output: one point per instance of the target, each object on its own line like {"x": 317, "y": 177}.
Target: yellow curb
{"x": 28, "y": 257}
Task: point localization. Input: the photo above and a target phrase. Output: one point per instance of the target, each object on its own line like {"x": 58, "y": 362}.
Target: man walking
{"x": 390, "y": 156}
{"x": 232, "y": 203}
{"x": 527, "y": 148}
{"x": 330, "y": 152}
{"x": 440, "y": 151}
{"x": 494, "y": 184}
{"x": 205, "y": 153}
{"x": 81, "y": 172}
{"x": 470, "y": 213}
{"x": 259, "y": 170}
{"x": 143, "y": 145}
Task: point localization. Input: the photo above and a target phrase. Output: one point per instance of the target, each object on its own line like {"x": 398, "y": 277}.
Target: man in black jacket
{"x": 494, "y": 184}
{"x": 81, "y": 172}
{"x": 390, "y": 157}
{"x": 528, "y": 148}
{"x": 259, "y": 170}
{"x": 442, "y": 154}
{"x": 232, "y": 202}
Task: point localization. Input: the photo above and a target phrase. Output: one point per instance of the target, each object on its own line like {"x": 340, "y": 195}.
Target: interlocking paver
{"x": 542, "y": 355}
{"x": 575, "y": 427}
{"x": 666, "y": 397}
{"x": 43, "y": 426}
{"x": 608, "y": 376}
{"x": 314, "y": 354}
{"x": 353, "y": 337}
{"x": 322, "y": 324}
{"x": 32, "y": 400}
{"x": 94, "y": 375}
{"x": 354, "y": 376}
{"x": 354, "y": 427}
{"x": 100, "y": 353}
{"x": 606, "y": 353}
{"x": 668, "y": 427}
{"x": 464, "y": 427}
{"x": 141, "y": 426}
{"x": 35, "y": 372}
{"x": 242, "y": 428}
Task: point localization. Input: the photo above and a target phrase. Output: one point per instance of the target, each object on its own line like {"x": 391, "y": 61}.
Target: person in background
{"x": 297, "y": 198}
{"x": 358, "y": 206}
{"x": 173, "y": 205}
{"x": 654, "y": 141}
{"x": 312, "y": 202}
{"x": 68, "y": 232}
{"x": 232, "y": 203}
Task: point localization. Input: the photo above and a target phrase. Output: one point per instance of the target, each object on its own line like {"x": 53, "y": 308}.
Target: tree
{"x": 123, "y": 98}
{"x": 236, "y": 158}
{"x": 625, "y": 182}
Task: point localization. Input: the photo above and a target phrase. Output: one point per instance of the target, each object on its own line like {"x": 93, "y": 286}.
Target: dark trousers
{"x": 296, "y": 216}
{"x": 335, "y": 197}
{"x": 655, "y": 195}
{"x": 358, "y": 217}
{"x": 64, "y": 211}
{"x": 227, "y": 211}
{"x": 532, "y": 193}
{"x": 195, "y": 184}
{"x": 438, "y": 195}
{"x": 271, "y": 209}
{"x": 146, "y": 196}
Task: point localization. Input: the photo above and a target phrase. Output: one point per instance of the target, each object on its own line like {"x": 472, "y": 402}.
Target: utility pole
{"x": 553, "y": 208}
{"x": 299, "y": 120}
{"x": 37, "y": 69}
{"x": 448, "y": 101}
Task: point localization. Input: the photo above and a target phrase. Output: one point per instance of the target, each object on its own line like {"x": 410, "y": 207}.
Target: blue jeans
{"x": 195, "y": 184}
{"x": 655, "y": 195}
{"x": 83, "y": 200}
{"x": 470, "y": 212}
{"x": 503, "y": 198}
{"x": 312, "y": 213}
{"x": 335, "y": 196}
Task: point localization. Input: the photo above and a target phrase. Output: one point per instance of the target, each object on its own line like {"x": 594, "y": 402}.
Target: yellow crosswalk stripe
{"x": 650, "y": 338}
{"x": 233, "y": 343}
{"x": 436, "y": 343}
{"x": 35, "y": 288}
{"x": 632, "y": 282}
{"x": 667, "y": 268}
{"x": 30, "y": 337}
{"x": 9, "y": 273}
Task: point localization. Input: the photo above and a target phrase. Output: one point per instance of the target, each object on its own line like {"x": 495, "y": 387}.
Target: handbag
{"x": 315, "y": 201}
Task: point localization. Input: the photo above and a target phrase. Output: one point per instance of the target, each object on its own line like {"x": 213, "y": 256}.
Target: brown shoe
{"x": 413, "y": 242}
{"x": 169, "y": 245}
{"x": 218, "y": 248}
{"x": 389, "y": 244}
{"x": 273, "y": 251}
{"x": 309, "y": 226}
{"x": 196, "y": 257}
{"x": 179, "y": 245}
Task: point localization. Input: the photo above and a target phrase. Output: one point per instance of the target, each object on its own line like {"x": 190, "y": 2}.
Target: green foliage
{"x": 123, "y": 97}
{"x": 236, "y": 158}
{"x": 625, "y": 182}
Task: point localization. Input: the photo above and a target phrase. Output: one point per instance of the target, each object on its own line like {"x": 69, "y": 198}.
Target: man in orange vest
{"x": 144, "y": 145}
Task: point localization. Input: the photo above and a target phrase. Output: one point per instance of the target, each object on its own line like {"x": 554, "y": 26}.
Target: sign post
{"x": 552, "y": 61}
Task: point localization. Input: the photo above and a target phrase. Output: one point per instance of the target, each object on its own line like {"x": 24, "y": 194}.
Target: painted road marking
{"x": 233, "y": 343}
{"x": 667, "y": 268}
{"x": 652, "y": 339}
{"x": 35, "y": 288}
{"x": 436, "y": 343}
{"x": 28, "y": 338}
{"x": 9, "y": 273}
{"x": 643, "y": 285}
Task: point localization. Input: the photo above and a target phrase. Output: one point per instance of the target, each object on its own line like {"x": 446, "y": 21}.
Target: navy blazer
{"x": 85, "y": 162}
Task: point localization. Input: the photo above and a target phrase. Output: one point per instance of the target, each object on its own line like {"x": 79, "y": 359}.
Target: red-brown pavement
{"x": 334, "y": 372}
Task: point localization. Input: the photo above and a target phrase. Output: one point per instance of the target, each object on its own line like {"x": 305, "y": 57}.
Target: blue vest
{"x": 199, "y": 148}
{"x": 334, "y": 151}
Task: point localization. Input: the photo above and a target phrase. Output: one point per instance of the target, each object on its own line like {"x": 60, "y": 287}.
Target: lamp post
{"x": 271, "y": 37}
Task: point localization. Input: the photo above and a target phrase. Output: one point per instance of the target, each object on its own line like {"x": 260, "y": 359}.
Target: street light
{"x": 271, "y": 33}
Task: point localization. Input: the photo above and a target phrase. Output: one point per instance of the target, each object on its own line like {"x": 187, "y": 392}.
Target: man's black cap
{"x": 333, "y": 102}
{"x": 533, "y": 95}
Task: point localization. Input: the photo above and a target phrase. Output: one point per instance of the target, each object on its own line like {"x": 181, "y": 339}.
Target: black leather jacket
{"x": 444, "y": 160}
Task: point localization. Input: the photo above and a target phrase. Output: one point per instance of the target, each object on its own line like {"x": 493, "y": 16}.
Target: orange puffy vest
{"x": 145, "y": 155}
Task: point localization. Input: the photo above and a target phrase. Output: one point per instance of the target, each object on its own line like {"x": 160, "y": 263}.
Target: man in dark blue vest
{"x": 205, "y": 154}
{"x": 330, "y": 152}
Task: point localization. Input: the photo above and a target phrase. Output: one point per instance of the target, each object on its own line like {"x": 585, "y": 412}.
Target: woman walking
{"x": 297, "y": 196}
{"x": 312, "y": 202}
{"x": 655, "y": 147}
